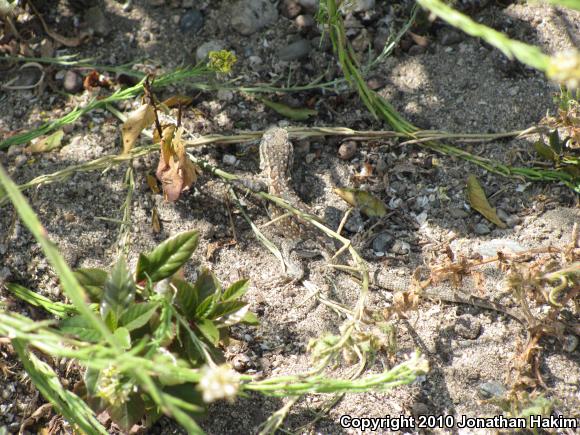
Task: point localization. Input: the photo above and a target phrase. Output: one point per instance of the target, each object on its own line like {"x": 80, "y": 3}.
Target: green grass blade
{"x": 69, "y": 283}
{"x": 528, "y": 54}
{"x": 57, "y": 308}
{"x": 65, "y": 402}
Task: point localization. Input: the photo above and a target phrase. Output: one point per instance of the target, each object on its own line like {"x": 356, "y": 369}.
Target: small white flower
{"x": 219, "y": 382}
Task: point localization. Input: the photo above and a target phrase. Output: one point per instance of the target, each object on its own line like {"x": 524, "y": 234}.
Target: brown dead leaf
{"x": 95, "y": 80}
{"x": 137, "y": 120}
{"x": 177, "y": 100}
{"x": 175, "y": 170}
{"x": 155, "y": 221}
{"x": 152, "y": 183}
{"x": 478, "y": 200}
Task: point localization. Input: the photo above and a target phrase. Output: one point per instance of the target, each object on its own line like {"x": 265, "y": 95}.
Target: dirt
{"x": 463, "y": 87}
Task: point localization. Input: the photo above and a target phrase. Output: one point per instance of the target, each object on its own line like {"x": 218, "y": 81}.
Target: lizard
{"x": 276, "y": 160}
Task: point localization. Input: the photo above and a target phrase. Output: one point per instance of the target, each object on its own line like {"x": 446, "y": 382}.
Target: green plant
{"x": 149, "y": 312}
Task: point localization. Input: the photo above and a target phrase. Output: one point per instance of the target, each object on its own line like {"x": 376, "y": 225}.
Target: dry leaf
{"x": 177, "y": 100}
{"x": 137, "y": 120}
{"x": 155, "y": 221}
{"x": 46, "y": 143}
{"x": 152, "y": 183}
{"x": 367, "y": 203}
{"x": 175, "y": 170}
{"x": 290, "y": 112}
{"x": 478, "y": 200}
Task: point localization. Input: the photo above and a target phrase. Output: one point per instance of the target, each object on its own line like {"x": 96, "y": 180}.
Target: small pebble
{"x": 482, "y": 229}
{"x": 375, "y": 83}
{"x": 290, "y": 8}
{"x": 309, "y": 158}
{"x": 20, "y": 161}
{"x": 310, "y": 6}
{"x": 295, "y": 51}
{"x": 490, "y": 389}
{"x": 229, "y": 159}
{"x": 347, "y": 150}
{"x": 468, "y": 326}
{"x": 241, "y": 363}
{"x": 450, "y": 37}
{"x": 570, "y": 343}
{"x": 382, "y": 243}
{"x": 249, "y": 16}
{"x": 97, "y": 21}
{"x": 191, "y": 22}
{"x": 72, "y": 82}
{"x": 304, "y": 22}
{"x": 203, "y": 50}
{"x": 354, "y": 223}
{"x": 401, "y": 247}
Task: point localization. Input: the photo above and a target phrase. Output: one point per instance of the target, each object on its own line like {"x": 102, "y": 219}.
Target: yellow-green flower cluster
{"x": 110, "y": 388}
{"x": 221, "y": 61}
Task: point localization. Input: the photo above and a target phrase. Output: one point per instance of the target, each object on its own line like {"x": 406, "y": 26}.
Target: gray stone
{"x": 382, "y": 243}
{"x": 354, "y": 223}
{"x": 490, "y": 389}
{"x": 97, "y": 22}
{"x": 203, "y": 50}
{"x": 482, "y": 229}
{"x": 347, "y": 150}
{"x": 290, "y": 8}
{"x": 310, "y": 6}
{"x": 249, "y": 16}
{"x": 295, "y": 51}
{"x": 191, "y": 22}
{"x": 450, "y": 37}
{"x": 20, "y": 161}
{"x": 358, "y": 5}
{"x": 229, "y": 159}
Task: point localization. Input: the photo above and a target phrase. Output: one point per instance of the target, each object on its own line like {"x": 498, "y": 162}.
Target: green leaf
{"x": 205, "y": 308}
{"x": 209, "y": 330}
{"x": 168, "y": 257}
{"x": 128, "y": 413}
{"x": 207, "y": 284}
{"x": 545, "y": 152}
{"x": 93, "y": 280}
{"x": 478, "y": 200}
{"x": 138, "y": 315}
{"x": 119, "y": 290}
{"x": 554, "y": 140}
{"x": 225, "y": 308}
{"x": 250, "y": 319}
{"x": 65, "y": 402}
{"x": 187, "y": 297}
{"x": 236, "y": 290}
{"x": 290, "y": 112}
{"x": 57, "y": 308}
{"x": 123, "y": 338}
{"x": 189, "y": 394}
{"x": 233, "y": 317}
{"x": 80, "y": 327}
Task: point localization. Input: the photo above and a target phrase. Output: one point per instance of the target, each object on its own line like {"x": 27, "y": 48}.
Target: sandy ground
{"x": 461, "y": 87}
